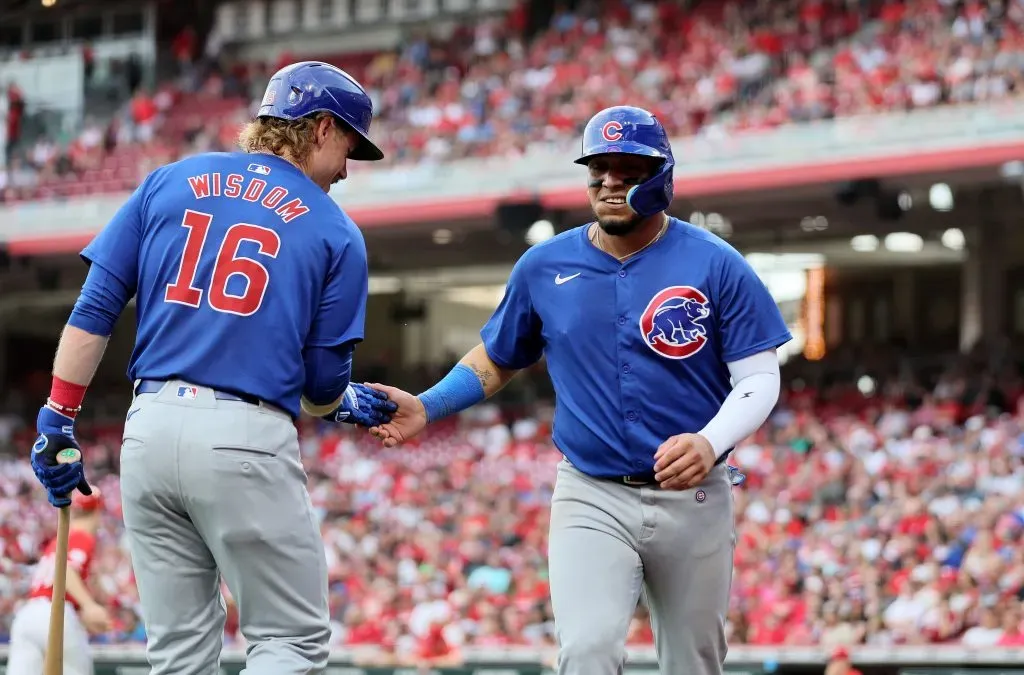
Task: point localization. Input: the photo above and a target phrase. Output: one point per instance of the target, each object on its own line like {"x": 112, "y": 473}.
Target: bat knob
{"x": 68, "y": 456}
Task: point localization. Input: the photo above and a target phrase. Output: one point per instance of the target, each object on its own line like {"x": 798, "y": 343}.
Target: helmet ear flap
{"x": 655, "y": 194}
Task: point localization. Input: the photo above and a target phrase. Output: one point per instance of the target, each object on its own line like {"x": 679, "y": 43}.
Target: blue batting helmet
{"x": 628, "y": 130}
{"x": 309, "y": 87}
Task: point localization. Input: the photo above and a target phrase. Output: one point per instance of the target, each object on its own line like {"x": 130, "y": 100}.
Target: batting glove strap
{"x": 363, "y": 406}
{"x": 736, "y": 477}
{"x": 49, "y": 421}
{"x": 56, "y": 433}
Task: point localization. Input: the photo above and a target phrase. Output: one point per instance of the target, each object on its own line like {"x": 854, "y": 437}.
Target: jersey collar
{"x": 608, "y": 257}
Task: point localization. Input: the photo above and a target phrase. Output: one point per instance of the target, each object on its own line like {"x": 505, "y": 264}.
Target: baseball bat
{"x": 53, "y": 663}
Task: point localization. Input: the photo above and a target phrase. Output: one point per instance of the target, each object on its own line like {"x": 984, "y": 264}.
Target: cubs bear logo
{"x": 671, "y": 325}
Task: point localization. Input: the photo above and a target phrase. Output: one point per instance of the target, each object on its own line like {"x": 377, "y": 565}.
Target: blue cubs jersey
{"x": 637, "y": 351}
{"x": 238, "y": 263}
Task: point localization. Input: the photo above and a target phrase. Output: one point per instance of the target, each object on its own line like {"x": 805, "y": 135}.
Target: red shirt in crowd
{"x": 81, "y": 547}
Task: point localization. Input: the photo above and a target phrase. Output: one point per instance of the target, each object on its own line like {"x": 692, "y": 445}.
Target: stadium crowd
{"x": 894, "y": 516}
{"x": 494, "y": 89}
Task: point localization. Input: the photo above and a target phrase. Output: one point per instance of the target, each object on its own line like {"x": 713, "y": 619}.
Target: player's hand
{"x": 96, "y": 619}
{"x": 56, "y": 440}
{"x": 408, "y": 420}
{"x": 683, "y": 461}
{"x": 363, "y": 406}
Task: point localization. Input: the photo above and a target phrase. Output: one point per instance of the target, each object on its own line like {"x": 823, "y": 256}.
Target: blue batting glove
{"x": 736, "y": 477}
{"x": 57, "y": 434}
{"x": 364, "y": 406}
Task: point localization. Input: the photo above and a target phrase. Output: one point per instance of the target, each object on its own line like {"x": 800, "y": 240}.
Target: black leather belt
{"x": 647, "y": 479}
{"x": 635, "y": 480}
{"x": 154, "y": 387}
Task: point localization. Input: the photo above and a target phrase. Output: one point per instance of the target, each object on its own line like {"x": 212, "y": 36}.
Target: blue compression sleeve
{"x": 460, "y": 389}
{"x": 328, "y": 372}
{"x": 101, "y": 301}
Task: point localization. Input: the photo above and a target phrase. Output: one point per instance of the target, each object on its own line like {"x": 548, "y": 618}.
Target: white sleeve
{"x": 755, "y": 392}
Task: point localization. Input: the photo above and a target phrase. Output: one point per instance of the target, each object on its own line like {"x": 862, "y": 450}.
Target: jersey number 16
{"x": 228, "y": 263}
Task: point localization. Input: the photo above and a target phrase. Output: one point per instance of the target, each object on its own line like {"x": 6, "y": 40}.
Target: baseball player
{"x": 251, "y": 287}
{"x": 644, "y": 320}
{"x": 82, "y": 615}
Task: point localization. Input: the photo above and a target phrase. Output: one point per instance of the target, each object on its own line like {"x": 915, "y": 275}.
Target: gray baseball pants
{"x": 212, "y": 487}
{"x": 609, "y": 542}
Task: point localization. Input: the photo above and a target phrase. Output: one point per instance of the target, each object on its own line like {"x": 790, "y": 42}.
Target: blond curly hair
{"x": 286, "y": 138}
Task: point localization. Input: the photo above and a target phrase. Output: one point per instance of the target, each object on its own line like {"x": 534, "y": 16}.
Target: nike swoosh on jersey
{"x": 559, "y": 279}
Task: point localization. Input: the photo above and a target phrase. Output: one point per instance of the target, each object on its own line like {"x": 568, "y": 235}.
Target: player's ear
{"x": 323, "y": 129}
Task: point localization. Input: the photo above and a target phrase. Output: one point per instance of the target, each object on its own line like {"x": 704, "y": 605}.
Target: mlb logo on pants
{"x": 189, "y": 393}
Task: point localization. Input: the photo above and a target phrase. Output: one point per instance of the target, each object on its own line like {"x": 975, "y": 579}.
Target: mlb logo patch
{"x": 260, "y": 169}
{"x": 188, "y": 393}
{"x": 270, "y": 97}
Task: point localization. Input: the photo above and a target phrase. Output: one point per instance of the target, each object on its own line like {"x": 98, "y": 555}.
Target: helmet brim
{"x": 367, "y": 150}
{"x": 624, "y": 148}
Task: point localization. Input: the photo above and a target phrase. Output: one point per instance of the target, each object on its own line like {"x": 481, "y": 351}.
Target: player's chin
{"x": 617, "y": 224}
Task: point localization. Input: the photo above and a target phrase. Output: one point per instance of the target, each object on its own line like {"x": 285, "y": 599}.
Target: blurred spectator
{"x": 144, "y": 116}
{"x": 15, "y": 117}
{"x": 839, "y": 663}
{"x": 184, "y": 48}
